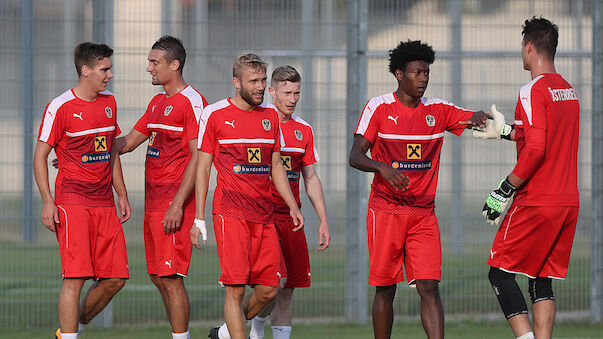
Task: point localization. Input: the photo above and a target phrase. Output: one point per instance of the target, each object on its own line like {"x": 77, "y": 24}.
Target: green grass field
{"x": 402, "y": 329}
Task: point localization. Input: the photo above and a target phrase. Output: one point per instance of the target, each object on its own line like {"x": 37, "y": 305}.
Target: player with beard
{"x": 240, "y": 136}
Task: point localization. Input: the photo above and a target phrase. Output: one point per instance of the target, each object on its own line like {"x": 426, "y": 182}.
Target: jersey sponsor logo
{"x": 413, "y": 151}
{"x": 292, "y": 176}
{"x": 231, "y": 123}
{"x": 95, "y": 157}
{"x": 100, "y": 144}
{"x": 286, "y": 160}
{"x": 109, "y": 112}
{"x": 152, "y": 138}
{"x": 298, "y": 135}
{"x": 168, "y": 110}
{"x": 393, "y": 119}
{"x": 153, "y": 152}
{"x": 266, "y": 124}
{"x": 430, "y": 120}
{"x": 79, "y": 116}
{"x": 412, "y": 165}
{"x": 250, "y": 169}
{"x": 254, "y": 155}
{"x": 563, "y": 94}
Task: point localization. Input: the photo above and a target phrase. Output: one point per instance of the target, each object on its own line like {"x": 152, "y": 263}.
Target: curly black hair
{"x": 409, "y": 51}
{"x": 543, "y": 34}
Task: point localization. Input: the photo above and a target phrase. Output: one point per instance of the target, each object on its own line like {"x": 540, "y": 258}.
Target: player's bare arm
{"x": 358, "y": 159}
{"x": 117, "y": 178}
{"x": 50, "y": 213}
{"x": 279, "y": 178}
{"x": 173, "y": 216}
{"x": 317, "y": 198}
{"x": 478, "y": 119}
{"x": 204, "y": 161}
{"x": 130, "y": 141}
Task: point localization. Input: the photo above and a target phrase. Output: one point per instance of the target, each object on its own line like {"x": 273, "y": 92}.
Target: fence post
{"x": 27, "y": 50}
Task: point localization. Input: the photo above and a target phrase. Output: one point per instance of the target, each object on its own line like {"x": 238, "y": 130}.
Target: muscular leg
{"x": 69, "y": 304}
{"x": 233, "y": 312}
{"x": 511, "y": 300}
{"x": 98, "y": 296}
{"x": 261, "y": 296}
{"x": 432, "y": 313}
{"x": 157, "y": 281}
{"x": 283, "y": 311}
{"x": 383, "y": 311}
{"x": 544, "y": 318}
{"x": 178, "y": 307}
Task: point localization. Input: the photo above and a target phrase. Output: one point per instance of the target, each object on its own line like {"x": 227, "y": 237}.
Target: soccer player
{"x": 404, "y": 131}
{"x": 81, "y": 125}
{"x": 298, "y": 155}
{"x": 536, "y": 235}
{"x": 171, "y": 124}
{"x": 240, "y": 135}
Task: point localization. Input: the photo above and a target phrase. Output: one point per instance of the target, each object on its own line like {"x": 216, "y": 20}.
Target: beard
{"x": 247, "y": 96}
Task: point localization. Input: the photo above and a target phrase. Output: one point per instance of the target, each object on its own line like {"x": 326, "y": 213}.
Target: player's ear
{"x": 85, "y": 70}
{"x": 175, "y": 65}
{"x": 399, "y": 74}
{"x": 272, "y": 91}
{"x": 236, "y": 82}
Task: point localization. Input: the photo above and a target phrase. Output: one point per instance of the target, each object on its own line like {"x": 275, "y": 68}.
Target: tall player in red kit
{"x": 81, "y": 126}
{"x": 404, "y": 132}
{"x": 536, "y": 235}
{"x": 171, "y": 124}
{"x": 241, "y": 136}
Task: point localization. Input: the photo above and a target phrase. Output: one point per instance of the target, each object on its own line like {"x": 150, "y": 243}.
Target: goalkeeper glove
{"x": 200, "y": 224}
{"x": 496, "y": 128}
{"x": 497, "y": 201}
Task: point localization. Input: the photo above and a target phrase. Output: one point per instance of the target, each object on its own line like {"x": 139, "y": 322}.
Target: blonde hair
{"x": 247, "y": 60}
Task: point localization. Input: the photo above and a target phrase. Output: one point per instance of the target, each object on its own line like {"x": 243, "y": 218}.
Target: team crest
{"x": 430, "y": 120}
{"x": 100, "y": 144}
{"x": 168, "y": 110}
{"x": 286, "y": 160}
{"x": 413, "y": 151}
{"x": 298, "y": 135}
{"x": 266, "y": 124}
{"x": 152, "y": 138}
{"x": 109, "y": 112}
{"x": 254, "y": 156}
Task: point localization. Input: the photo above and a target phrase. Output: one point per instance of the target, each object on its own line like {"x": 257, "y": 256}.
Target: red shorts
{"x": 295, "y": 254}
{"x": 91, "y": 242}
{"x": 167, "y": 254}
{"x": 249, "y": 252}
{"x": 535, "y": 241}
{"x": 399, "y": 240}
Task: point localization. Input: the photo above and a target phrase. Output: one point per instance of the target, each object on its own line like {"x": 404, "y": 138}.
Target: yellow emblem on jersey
{"x": 152, "y": 138}
{"x": 100, "y": 144}
{"x": 286, "y": 159}
{"x": 254, "y": 156}
{"x": 413, "y": 151}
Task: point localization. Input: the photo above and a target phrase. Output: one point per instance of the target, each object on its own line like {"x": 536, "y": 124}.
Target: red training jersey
{"x": 297, "y": 151}
{"x": 170, "y": 123}
{"x": 242, "y": 144}
{"x": 408, "y": 139}
{"x": 547, "y": 119}
{"x": 82, "y": 134}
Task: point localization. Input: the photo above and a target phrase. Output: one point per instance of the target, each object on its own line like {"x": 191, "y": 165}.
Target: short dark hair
{"x": 247, "y": 60}
{"x": 543, "y": 34}
{"x": 409, "y": 51}
{"x": 284, "y": 73}
{"x": 87, "y": 53}
{"x": 173, "y": 48}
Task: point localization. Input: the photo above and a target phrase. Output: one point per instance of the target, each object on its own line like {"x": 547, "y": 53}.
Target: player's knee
{"x": 541, "y": 289}
{"x": 428, "y": 288}
{"x": 269, "y": 295}
{"x": 507, "y": 292}
{"x": 113, "y": 285}
{"x": 386, "y": 292}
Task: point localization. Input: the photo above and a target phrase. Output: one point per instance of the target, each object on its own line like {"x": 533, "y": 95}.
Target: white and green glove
{"x": 497, "y": 201}
{"x": 496, "y": 128}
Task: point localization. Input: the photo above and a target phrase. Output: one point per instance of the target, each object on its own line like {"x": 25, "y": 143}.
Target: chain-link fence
{"x": 478, "y": 63}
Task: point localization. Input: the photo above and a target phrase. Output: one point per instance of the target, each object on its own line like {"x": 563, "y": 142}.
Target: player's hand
{"x": 298, "y": 219}
{"x": 478, "y": 119}
{"x": 55, "y": 163}
{"x": 172, "y": 219}
{"x": 497, "y": 201}
{"x": 50, "y": 216}
{"x": 395, "y": 178}
{"x": 324, "y": 236}
{"x": 197, "y": 230}
{"x": 495, "y": 128}
{"x": 124, "y": 209}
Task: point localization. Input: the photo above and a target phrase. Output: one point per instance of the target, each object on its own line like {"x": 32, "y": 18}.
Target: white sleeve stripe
{"x": 166, "y": 127}
{"x": 90, "y": 131}
{"x": 195, "y": 99}
{"x": 411, "y": 137}
{"x": 51, "y": 113}
{"x": 245, "y": 141}
{"x": 525, "y": 97}
{"x": 370, "y": 108}
{"x": 207, "y": 111}
{"x": 316, "y": 155}
{"x": 518, "y": 122}
{"x": 293, "y": 149}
